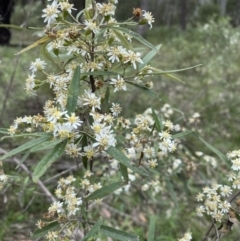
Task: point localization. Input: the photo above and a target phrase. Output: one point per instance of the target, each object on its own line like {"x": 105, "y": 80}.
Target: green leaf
{"x": 95, "y": 229}
{"x": 13, "y": 26}
{"x": 36, "y": 134}
{"x": 215, "y": 150}
{"x": 149, "y": 56}
{"x": 144, "y": 89}
{"x": 123, "y": 39}
{"x": 158, "y": 125}
{"x": 171, "y": 191}
{"x": 156, "y": 147}
{"x": 25, "y": 146}
{"x": 180, "y": 135}
{"x": 119, "y": 156}
{"x": 96, "y": 73}
{"x": 45, "y": 145}
{"x": 117, "y": 234}
{"x": 84, "y": 158}
{"x": 44, "y": 52}
{"x": 158, "y": 71}
{"x": 124, "y": 172}
{"x": 35, "y": 44}
{"x": 24, "y": 158}
{"x": 134, "y": 35}
{"x": 42, "y": 232}
{"x": 237, "y": 216}
{"x": 4, "y": 131}
{"x": 48, "y": 160}
{"x": 104, "y": 191}
{"x": 151, "y": 229}
{"x": 73, "y": 91}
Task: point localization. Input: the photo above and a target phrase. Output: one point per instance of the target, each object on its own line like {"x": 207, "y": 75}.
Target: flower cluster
{"x": 187, "y": 237}
{"x": 70, "y": 202}
{"x": 94, "y": 58}
{"x": 215, "y": 204}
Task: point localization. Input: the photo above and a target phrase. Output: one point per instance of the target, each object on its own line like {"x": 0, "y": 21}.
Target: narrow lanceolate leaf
{"x": 45, "y": 145}
{"x": 151, "y": 229}
{"x": 106, "y": 190}
{"x": 27, "y": 135}
{"x": 35, "y": 44}
{"x": 96, "y": 73}
{"x": 42, "y": 232}
{"x": 149, "y": 56}
{"x": 4, "y": 131}
{"x": 117, "y": 234}
{"x": 157, "y": 122}
{"x": 215, "y": 150}
{"x": 13, "y": 26}
{"x": 48, "y": 160}
{"x": 73, "y": 91}
{"x": 144, "y": 89}
{"x": 180, "y": 135}
{"x": 44, "y": 52}
{"x": 24, "y": 158}
{"x": 94, "y": 230}
{"x": 134, "y": 35}
{"x": 25, "y": 146}
{"x": 119, "y": 156}
{"x": 123, "y": 40}
{"x": 124, "y": 172}
{"x": 84, "y": 158}
{"x": 158, "y": 71}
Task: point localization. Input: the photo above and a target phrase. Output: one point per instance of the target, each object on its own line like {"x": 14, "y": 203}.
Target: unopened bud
{"x": 142, "y": 21}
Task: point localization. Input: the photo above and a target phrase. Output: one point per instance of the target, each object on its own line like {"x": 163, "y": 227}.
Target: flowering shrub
{"x": 86, "y": 59}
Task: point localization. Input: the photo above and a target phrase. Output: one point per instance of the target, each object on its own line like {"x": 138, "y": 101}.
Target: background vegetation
{"x": 211, "y": 38}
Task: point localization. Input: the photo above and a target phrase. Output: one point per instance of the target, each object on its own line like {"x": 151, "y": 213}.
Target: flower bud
{"x": 143, "y": 21}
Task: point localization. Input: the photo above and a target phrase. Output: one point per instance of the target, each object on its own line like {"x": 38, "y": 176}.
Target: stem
{"x": 208, "y": 232}
{"x": 232, "y": 199}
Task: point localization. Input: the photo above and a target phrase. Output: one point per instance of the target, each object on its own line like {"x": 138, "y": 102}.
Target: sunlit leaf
{"x": 48, "y": 160}
{"x": 35, "y": 44}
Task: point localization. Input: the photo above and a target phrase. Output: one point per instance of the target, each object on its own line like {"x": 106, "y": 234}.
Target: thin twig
{"x": 61, "y": 173}
{"x": 40, "y": 183}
